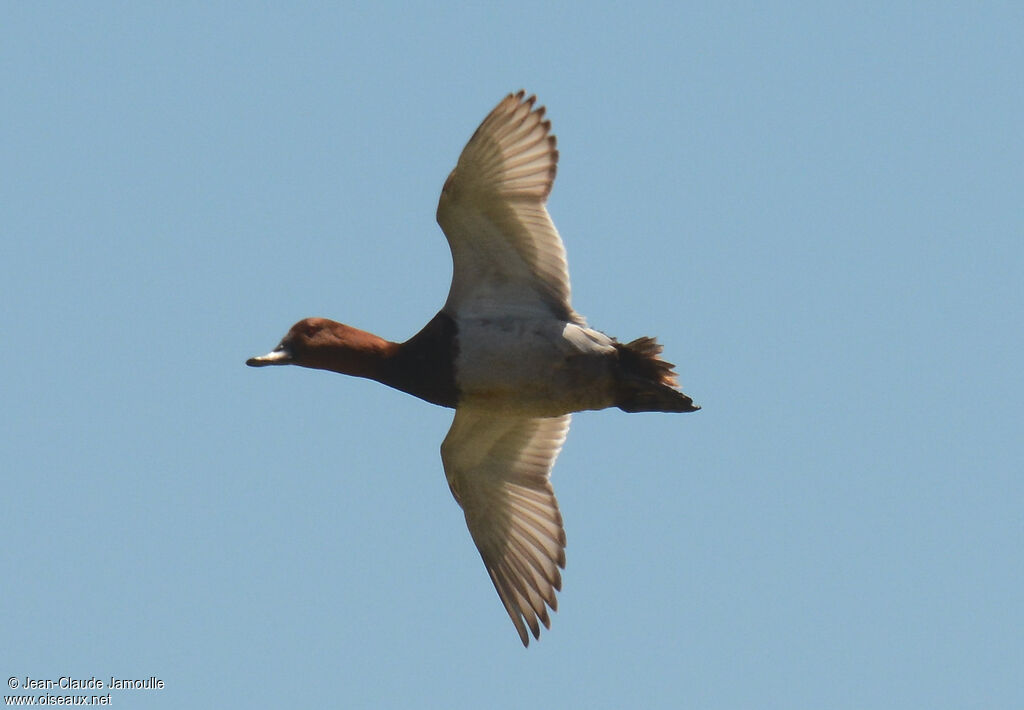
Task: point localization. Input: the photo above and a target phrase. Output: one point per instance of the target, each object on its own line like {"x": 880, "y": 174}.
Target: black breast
{"x": 425, "y": 364}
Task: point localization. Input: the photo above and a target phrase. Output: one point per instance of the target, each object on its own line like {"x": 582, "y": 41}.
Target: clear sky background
{"x": 819, "y": 211}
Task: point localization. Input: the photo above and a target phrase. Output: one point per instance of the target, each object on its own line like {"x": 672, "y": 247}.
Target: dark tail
{"x": 646, "y": 383}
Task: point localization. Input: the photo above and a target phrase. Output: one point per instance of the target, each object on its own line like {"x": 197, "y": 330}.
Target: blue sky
{"x": 816, "y": 209}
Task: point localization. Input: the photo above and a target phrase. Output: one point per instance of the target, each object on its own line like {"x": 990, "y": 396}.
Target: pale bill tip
{"x": 276, "y": 357}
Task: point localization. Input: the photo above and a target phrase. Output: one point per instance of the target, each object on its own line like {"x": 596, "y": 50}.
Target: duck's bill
{"x": 276, "y": 357}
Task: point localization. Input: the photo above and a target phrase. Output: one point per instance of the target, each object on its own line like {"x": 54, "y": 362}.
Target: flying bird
{"x": 508, "y": 353}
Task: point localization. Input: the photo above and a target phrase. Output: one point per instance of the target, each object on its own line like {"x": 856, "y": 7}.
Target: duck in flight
{"x": 508, "y": 353}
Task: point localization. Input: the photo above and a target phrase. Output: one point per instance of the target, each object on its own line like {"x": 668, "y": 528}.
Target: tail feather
{"x": 646, "y": 383}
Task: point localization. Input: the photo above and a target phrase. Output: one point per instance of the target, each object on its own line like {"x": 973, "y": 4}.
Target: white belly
{"x": 538, "y": 367}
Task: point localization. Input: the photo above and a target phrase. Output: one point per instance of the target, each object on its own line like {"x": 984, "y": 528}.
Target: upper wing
{"x": 507, "y": 255}
{"x": 498, "y": 468}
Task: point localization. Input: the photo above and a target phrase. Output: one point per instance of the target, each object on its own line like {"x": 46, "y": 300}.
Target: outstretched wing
{"x": 506, "y": 252}
{"x": 498, "y": 469}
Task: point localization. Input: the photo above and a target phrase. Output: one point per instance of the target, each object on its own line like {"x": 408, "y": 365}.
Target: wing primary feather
{"x": 513, "y": 614}
{"x": 522, "y": 604}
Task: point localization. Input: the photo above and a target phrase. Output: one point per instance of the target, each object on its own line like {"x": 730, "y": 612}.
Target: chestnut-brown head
{"x": 327, "y": 345}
